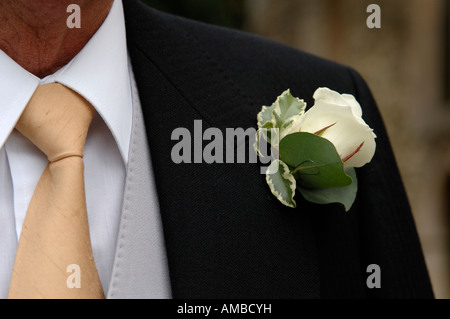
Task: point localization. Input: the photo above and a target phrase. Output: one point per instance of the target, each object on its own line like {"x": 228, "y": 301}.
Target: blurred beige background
{"x": 406, "y": 64}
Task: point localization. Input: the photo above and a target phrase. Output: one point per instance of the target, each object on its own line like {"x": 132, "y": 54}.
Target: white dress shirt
{"x": 100, "y": 73}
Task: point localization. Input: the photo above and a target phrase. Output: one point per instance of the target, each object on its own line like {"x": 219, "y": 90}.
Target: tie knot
{"x": 56, "y": 120}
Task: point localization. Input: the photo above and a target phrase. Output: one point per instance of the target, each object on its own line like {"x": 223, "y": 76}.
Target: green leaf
{"x": 280, "y": 116}
{"x": 256, "y": 143}
{"x": 282, "y": 113}
{"x": 270, "y": 137}
{"x": 286, "y": 110}
{"x": 314, "y": 161}
{"x": 282, "y": 183}
{"x": 265, "y": 117}
{"x": 342, "y": 195}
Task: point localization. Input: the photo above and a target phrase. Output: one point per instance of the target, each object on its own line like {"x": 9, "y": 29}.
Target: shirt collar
{"x": 99, "y": 72}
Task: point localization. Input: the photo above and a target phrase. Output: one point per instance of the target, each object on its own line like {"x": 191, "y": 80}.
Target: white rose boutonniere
{"x": 317, "y": 149}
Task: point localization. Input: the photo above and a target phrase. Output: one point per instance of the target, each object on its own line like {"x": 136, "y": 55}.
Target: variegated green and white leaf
{"x": 265, "y": 117}
{"x": 287, "y": 110}
{"x": 270, "y": 140}
{"x": 282, "y": 183}
{"x": 258, "y": 135}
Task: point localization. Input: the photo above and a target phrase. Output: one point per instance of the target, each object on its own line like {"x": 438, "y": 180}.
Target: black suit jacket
{"x": 227, "y": 236}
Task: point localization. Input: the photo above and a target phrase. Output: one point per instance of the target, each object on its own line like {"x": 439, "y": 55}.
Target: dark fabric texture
{"x": 226, "y": 235}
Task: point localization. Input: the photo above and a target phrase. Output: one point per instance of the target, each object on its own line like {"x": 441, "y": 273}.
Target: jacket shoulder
{"x": 231, "y": 48}
{"x": 213, "y": 60}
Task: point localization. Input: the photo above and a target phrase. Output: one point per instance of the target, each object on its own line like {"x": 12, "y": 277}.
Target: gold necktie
{"x": 55, "y": 233}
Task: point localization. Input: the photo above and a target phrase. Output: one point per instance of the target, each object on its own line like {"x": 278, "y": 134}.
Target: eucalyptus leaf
{"x": 342, "y": 195}
{"x": 282, "y": 183}
{"x": 313, "y": 160}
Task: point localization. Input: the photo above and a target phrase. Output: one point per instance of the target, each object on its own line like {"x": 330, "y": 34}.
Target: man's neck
{"x": 34, "y": 33}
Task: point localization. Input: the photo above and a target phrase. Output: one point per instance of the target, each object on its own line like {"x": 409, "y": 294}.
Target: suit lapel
{"x": 139, "y": 271}
{"x": 226, "y": 235}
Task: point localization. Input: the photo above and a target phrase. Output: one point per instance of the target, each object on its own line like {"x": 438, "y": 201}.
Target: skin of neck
{"x": 34, "y": 33}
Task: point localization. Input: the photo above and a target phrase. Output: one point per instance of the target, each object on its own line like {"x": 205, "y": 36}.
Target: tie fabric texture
{"x": 54, "y": 257}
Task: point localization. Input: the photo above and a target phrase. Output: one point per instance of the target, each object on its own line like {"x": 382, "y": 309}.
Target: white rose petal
{"x": 341, "y": 115}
